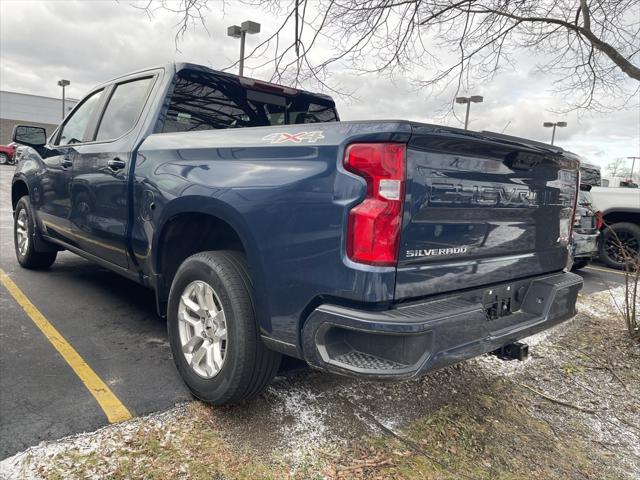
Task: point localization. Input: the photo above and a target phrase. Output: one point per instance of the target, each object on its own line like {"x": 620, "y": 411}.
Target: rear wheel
{"x": 23, "y": 234}
{"x": 620, "y": 244}
{"x": 213, "y": 331}
{"x": 4, "y": 159}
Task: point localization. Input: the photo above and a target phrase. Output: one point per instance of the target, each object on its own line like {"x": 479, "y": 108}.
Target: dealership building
{"x": 21, "y": 108}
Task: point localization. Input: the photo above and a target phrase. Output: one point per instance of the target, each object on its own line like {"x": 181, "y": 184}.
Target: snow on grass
{"x": 27, "y": 464}
{"x": 304, "y": 426}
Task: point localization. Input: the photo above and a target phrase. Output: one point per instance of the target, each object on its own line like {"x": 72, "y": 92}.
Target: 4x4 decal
{"x": 311, "y": 137}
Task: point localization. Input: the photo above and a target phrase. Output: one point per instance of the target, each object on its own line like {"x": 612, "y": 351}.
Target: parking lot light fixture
{"x": 554, "y": 125}
{"x": 63, "y": 83}
{"x": 469, "y": 101}
{"x": 240, "y": 32}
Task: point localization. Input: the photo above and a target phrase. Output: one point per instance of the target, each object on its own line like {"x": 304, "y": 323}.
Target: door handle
{"x": 66, "y": 162}
{"x": 116, "y": 164}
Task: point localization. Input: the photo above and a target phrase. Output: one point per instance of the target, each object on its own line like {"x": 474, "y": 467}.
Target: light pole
{"x": 633, "y": 165}
{"x": 240, "y": 32}
{"x": 468, "y": 101}
{"x": 63, "y": 84}
{"x": 554, "y": 125}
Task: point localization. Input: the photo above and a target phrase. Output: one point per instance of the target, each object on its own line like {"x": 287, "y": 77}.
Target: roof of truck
{"x": 177, "y": 66}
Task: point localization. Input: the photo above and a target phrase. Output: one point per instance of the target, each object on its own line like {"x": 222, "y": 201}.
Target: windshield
{"x": 205, "y": 101}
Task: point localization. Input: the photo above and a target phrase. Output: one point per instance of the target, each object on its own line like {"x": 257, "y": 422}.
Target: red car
{"x": 6, "y": 153}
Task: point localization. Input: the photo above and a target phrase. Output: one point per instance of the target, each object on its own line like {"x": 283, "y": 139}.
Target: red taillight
{"x": 600, "y": 220}
{"x": 575, "y": 207}
{"x": 373, "y": 232}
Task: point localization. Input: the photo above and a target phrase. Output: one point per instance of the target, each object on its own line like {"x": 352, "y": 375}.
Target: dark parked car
{"x": 265, "y": 226}
{"x": 588, "y": 219}
{"x": 7, "y": 153}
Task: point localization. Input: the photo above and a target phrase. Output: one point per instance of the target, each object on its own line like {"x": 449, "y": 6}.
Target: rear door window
{"x": 204, "y": 101}
{"x": 123, "y": 109}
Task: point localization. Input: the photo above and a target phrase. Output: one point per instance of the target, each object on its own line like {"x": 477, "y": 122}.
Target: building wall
{"x": 7, "y": 124}
{"x": 20, "y": 108}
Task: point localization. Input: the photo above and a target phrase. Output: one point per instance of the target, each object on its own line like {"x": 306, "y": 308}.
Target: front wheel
{"x": 23, "y": 234}
{"x": 213, "y": 331}
{"x": 4, "y": 159}
{"x": 620, "y": 244}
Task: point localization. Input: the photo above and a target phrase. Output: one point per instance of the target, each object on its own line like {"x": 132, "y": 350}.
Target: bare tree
{"x": 617, "y": 168}
{"x": 590, "y": 46}
{"x": 629, "y": 256}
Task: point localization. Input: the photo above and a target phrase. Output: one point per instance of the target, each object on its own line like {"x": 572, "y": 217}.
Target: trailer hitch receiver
{"x": 512, "y": 351}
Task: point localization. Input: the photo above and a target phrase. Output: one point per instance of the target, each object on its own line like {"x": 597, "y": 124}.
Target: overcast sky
{"x": 91, "y": 41}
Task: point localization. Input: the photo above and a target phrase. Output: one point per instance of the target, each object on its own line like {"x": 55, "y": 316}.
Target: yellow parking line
{"x": 606, "y": 270}
{"x": 110, "y": 404}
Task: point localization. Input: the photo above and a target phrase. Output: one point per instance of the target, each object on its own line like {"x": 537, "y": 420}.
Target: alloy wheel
{"x": 624, "y": 247}
{"x": 22, "y": 232}
{"x": 202, "y": 328}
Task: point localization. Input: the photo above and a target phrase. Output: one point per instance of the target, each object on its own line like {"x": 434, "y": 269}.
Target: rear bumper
{"x": 415, "y": 338}
{"x": 585, "y": 245}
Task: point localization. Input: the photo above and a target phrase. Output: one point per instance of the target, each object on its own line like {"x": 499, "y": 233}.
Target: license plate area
{"x": 588, "y": 223}
{"x": 500, "y": 302}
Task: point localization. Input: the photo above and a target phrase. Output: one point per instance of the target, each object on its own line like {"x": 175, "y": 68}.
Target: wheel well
{"x": 616, "y": 217}
{"x": 185, "y": 235}
{"x": 18, "y": 190}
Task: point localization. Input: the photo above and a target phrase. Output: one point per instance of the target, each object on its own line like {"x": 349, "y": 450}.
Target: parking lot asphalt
{"x": 108, "y": 320}
{"x": 111, "y": 324}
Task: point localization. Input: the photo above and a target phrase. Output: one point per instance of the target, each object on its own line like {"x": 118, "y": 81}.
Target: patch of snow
{"x": 610, "y": 432}
{"x": 603, "y": 304}
{"x": 304, "y": 427}
{"x": 25, "y": 465}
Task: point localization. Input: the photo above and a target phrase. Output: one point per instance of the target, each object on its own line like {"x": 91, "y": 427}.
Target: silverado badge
{"x": 436, "y": 251}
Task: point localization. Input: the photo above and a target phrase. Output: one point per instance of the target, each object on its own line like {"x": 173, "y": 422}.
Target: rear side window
{"x": 314, "y": 114}
{"x": 75, "y": 128}
{"x": 123, "y": 108}
{"x": 204, "y": 101}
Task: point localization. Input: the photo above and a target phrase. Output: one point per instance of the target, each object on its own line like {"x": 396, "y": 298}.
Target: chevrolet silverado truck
{"x": 267, "y": 227}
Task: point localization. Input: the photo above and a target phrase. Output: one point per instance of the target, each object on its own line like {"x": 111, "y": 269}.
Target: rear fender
{"x": 223, "y": 211}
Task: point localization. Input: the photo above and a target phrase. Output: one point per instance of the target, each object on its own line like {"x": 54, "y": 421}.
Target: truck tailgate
{"x": 482, "y": 209}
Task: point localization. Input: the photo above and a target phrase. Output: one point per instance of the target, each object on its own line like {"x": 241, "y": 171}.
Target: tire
{"x": 244, "y": 366}
{"x": 23, "y": 231}
{"x": 579, "y": 264}
{"x": 608, "y": 249}
{"x": 4, "y": 159}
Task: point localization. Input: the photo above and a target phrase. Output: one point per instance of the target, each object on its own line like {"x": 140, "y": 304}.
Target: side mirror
{"x": 30, "y": 136}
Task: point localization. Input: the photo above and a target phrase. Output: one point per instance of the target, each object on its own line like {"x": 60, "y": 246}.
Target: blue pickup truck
{"x": 267, "y": 227}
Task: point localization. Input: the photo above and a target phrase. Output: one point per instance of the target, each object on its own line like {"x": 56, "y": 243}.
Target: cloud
{"x": 90, "y": 42}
